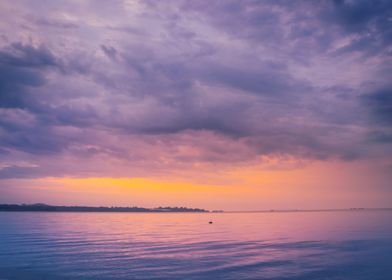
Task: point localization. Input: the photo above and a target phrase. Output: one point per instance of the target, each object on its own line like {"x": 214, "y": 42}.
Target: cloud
{"x": 174, "y": 85}
{"x": 367, "y": 22}
{"x": 380, "y": 104}
{"x": 22, "y": 67}
{"x": 55, "y": 23}
{"x": 109, "y": 51}
{"x": 264, "y": 80}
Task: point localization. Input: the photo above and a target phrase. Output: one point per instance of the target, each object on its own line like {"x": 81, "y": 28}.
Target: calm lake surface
{"x": 297, "y": 245}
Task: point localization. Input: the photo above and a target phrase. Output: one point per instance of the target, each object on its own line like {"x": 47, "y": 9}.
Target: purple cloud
{"x": 161, "y": 85}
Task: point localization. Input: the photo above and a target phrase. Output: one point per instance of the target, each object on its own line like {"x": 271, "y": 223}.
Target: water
{"x": 299, "y": 245}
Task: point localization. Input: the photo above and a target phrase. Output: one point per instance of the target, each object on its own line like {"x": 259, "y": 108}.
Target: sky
{"x": 233, "y": 105}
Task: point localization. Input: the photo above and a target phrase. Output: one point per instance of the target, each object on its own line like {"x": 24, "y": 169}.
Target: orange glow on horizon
{"x": 316, "y": 185}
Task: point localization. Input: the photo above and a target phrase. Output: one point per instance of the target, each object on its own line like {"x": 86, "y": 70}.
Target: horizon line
{"x": 272, "y": 210}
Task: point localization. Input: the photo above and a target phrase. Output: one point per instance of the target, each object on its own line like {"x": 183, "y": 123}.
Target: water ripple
{"x": 170, "y": 246}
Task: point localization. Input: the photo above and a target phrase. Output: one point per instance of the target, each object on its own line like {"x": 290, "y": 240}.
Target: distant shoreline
{"x": 39, "y": 207}
{"x": 52, "y": 208}
{"x": 312, "y": 210}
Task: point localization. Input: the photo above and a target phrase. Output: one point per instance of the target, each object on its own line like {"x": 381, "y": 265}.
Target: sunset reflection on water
{"x": 298, "y": 245}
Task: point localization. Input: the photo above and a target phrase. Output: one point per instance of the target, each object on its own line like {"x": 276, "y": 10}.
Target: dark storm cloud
{"x": 369, "y": 20}
{"x": 22, "y": 55}
{"x": 21, "y": 67}
{"x": 358, "y": 15}
{"x": 380, "y": 104}
{"x": 27, "y": 117}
